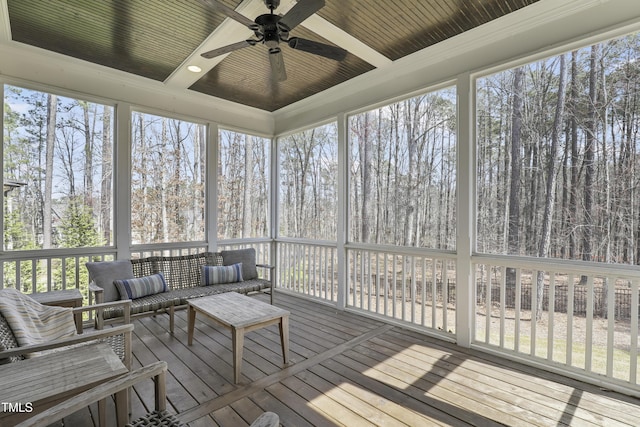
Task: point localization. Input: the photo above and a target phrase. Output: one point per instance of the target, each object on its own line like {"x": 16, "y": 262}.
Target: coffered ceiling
{"x": 158, "y": 39}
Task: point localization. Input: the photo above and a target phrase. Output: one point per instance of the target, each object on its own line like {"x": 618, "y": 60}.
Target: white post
{"x": 343, "y": 211}
{"x": 465, "y": 239}
{"x": 122, "y": 145}
{"x": 274, "y": 209}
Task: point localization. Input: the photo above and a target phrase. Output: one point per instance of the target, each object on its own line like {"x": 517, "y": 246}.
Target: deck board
{"x": 349, "y": 370}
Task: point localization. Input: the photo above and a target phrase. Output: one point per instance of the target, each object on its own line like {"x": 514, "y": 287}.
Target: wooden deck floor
{"x": 348, "y": 370}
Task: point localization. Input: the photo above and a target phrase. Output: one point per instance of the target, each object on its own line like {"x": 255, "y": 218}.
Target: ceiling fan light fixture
{"x": 194, "y": 69}
{"x": 270, "y": 29}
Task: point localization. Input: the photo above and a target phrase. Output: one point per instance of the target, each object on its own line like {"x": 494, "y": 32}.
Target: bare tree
{"x": 514, "y": 189}
{"x": 47, "y": 229}
{"x": 549, "y": 203}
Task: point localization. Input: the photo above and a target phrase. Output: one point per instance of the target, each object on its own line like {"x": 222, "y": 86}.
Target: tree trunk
{"x": 88, "y": 156}
{"x": 247, "y": 218}
{"x": 410, "y": 208}
{"x": 550, "y": 197}
{"x": 107, "y": 177}
{"x": 366, "y": 160}
{"x": 47, "y": 227}
{"x": 589, "y": 159}
{"x": 514, "y": 189}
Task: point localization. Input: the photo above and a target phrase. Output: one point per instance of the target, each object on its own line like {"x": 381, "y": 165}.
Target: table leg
{"x": 78, "y": 320}
{"x": 122, "y": 407}
{"x": 284, "y": 338}
{"x": 102, "y": 413}
{"x": 191, "y": 324}
{"x": 238, "y": 343}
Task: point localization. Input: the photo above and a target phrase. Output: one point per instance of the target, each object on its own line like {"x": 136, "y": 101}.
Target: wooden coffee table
{"x": 241, "y": 314}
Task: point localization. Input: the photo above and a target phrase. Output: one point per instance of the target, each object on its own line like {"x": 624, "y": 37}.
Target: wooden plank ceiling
{"x": 154, "y": 38}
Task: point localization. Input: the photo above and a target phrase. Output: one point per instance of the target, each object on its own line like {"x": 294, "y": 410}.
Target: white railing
{"x": 167, "y": 249}
{"x": 581, "y": 317}
{"x": 308, "y": 268}
{"x": 411, "y": 285}
{"x": 49, "y": 270}
{"x": 37, "y": 271}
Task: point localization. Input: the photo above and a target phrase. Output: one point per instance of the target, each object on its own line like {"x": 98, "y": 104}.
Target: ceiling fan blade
{"x": 226, "y": 49}
{"x": 331, "y": 52}
{"x": 298, "y": 13}
{"x": 277, "y": 65}
{"x": 231, "y": 13}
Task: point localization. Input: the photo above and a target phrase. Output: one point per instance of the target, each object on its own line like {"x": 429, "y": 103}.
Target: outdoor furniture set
{"x": 123, "y": 290}
{"x": 162, "y": 283}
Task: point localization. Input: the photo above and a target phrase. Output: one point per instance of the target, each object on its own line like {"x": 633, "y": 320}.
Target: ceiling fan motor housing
{"x": 268, "y": 24}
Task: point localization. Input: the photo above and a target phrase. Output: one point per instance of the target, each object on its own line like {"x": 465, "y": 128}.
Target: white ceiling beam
{"x": 231, "y": 31}
{"x": 341, "y": 38}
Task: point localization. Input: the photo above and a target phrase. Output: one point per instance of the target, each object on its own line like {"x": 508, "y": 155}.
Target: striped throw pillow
{"x": 215, "y": 275}
{"x": 141, "y": 286}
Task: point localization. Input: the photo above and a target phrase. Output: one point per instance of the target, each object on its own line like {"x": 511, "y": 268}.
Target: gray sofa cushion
{"x": 248, "y": 259}
{"x": 103, "y": 273}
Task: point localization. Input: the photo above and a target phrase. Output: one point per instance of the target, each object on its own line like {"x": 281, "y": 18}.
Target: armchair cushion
{"x": 34, "y": 323}
{"x": 245, "y": 256}
{"x": 103, "y": 273}
{"x": 214, "y": 275}
{"x": 141, "y": 287}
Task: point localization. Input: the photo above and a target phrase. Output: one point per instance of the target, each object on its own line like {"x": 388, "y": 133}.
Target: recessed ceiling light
{"x": 194, "y": 68}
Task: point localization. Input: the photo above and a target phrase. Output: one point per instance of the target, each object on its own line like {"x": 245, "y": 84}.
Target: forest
{"x": 556, "y": 168}
{"x": 557, "y": 150}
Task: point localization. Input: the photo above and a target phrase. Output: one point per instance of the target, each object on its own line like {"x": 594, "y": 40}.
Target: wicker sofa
{"x": 183, "y": 276}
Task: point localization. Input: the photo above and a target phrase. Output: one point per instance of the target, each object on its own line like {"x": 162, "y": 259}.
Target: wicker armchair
{"x": 117, "y": 387}
{"x": 118, "y": 338}
{"x": 160, "y": 417}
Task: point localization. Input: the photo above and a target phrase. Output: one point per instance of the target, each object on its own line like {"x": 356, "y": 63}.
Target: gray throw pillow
{"x": 248, "y": 259}
{"x": 103, "y": 274}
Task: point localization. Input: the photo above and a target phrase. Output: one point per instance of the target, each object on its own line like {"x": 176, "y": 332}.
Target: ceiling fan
{"x": 271, "y": 29}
